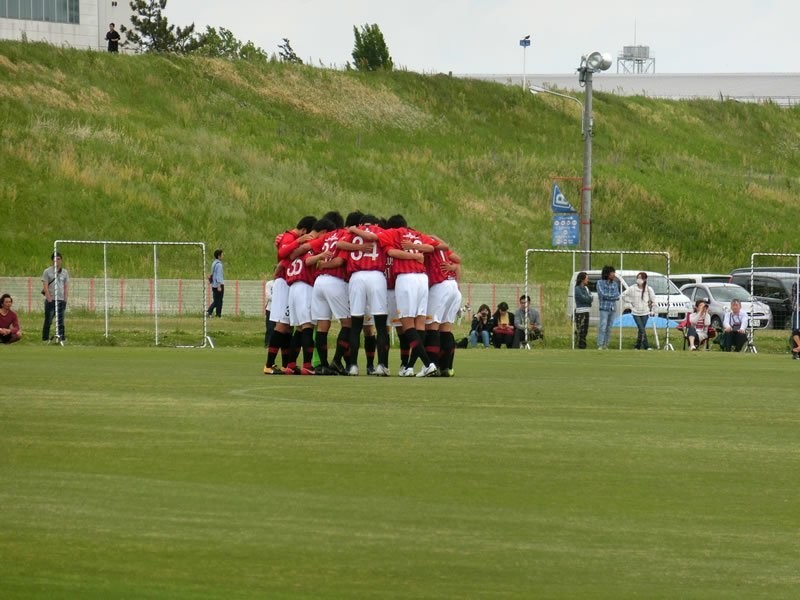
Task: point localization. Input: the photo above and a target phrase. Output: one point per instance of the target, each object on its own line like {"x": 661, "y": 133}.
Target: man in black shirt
{"x": 113, "y": 38}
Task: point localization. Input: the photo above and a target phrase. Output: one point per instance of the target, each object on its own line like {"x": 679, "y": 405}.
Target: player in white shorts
{"x": 405, "y": 246}
{"x": 281, "y": 337}
{"x": 444, "y": 303}
{"x": 366, "y": 263}
{"x": 329, "y": 300}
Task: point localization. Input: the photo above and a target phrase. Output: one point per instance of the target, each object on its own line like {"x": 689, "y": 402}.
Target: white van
{"x": 670, "y": 302}
{"x": 682, "y": 279}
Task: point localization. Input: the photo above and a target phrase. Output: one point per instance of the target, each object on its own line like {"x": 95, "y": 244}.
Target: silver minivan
{"x": 670, "y": 302}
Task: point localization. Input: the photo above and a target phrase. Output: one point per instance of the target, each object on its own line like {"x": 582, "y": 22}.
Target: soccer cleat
{"x": 337, "y": 369}
{"x": 271, "y": 370}
{"x": 323, "y": 370}
{"x": 444, "y": 373}
{"x": 430, "y": 371}
{"x": 381, "y": 371}
{"x": 370, "y": 370}
{"x": 406, "y": 372}
{"x": 353, "y": 371}
{"x": 306, "y": 371}
{"x": 451, "y": 372}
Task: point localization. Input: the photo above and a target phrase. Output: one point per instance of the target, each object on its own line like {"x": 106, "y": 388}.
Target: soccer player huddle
{"x": 369, "y": 274}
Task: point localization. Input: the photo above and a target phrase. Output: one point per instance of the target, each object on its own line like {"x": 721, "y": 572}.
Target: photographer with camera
{"x": 481, "y": 327}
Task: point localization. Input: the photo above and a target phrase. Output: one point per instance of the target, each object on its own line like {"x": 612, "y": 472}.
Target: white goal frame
{"x": 751, "y": 347}
{"x": 622, "y": 253}
{"x": 201, "y": 246}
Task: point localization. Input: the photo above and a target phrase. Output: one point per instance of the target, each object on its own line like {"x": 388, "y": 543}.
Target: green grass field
{"x": 144, "y": 472}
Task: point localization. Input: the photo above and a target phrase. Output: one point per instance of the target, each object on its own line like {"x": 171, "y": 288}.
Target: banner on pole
{"x": 565, "y": 229}
{"x": 559, "y": 202}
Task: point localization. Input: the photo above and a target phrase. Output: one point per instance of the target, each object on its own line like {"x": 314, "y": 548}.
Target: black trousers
{"x": 581, "y": 328}
{"x": 49, "y": 314}
{"x": 216, "y": 300}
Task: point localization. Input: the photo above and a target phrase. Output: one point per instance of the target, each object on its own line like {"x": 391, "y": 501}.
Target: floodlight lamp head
{"x": 597, "y": 61}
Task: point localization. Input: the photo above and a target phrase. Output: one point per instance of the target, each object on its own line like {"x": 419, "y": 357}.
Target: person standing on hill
{"x": 55, "y": 287}
{"x": 608, "y": 294}
{"x": 217, "y": 281}
{"x": 10, "y": 331}
{"x": 112, "y": 37}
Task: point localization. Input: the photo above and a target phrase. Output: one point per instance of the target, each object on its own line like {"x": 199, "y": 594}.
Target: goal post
{"x": 620, "y": 255}
{"x": 157, "y": 285}
{"x": 759, "y": 291}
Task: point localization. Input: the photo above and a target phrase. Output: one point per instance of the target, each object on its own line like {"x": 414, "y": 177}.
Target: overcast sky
{"x": 482, "y": 36}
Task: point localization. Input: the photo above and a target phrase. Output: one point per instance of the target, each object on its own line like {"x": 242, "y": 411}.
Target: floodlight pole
{"x": 586, "y": 184}
{"x": 590, "y": 64}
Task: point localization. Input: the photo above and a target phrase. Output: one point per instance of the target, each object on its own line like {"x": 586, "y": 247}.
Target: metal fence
{"x": 188, "y": 296}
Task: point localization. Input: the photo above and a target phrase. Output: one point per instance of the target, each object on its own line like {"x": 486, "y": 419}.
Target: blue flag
{"x": 559, "y": 202}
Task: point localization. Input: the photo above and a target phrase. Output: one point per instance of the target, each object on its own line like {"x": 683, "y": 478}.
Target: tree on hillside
{"x": 223, "y": 44}
{"x": 151, "y": 31}
{"x": 287, "y": 54}
{"x": 370, "y": 52}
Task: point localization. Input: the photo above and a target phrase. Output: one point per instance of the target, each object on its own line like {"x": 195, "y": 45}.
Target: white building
{"x": 73, "y": 23}
{"x": 780, "y": 88}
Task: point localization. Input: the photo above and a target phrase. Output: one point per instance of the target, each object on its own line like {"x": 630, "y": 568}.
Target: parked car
{"x": 683, "y": 279}
{"x": 720, "y": 295}
{"x": 773, "y": 288}
{"x": 669, "y": 299}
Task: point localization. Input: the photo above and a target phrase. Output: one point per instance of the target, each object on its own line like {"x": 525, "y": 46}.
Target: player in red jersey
{"x": 404, "y": 245}
{"x": 285, "y": 243}
{"x": 300, "y": 276}
{"x": 329, "y": 299}
{"x": 444, "y": 302}
{"x": 366, "y": 263}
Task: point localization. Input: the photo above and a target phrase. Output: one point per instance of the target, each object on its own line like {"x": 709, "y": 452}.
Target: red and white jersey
{"x": 299, "y": 271}
{"x": 285, "y": 244}
{"x": 434, "y": 263}
{"x": 327, "y": 242}
{"x": 371, "y": 258}
{"x": 394, "y": 238}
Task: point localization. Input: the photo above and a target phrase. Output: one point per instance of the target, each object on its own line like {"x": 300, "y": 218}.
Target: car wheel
{"x": 716, "y": 323}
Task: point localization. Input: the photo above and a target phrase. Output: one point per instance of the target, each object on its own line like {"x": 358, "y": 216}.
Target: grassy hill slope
{"x": 163, "y": 147}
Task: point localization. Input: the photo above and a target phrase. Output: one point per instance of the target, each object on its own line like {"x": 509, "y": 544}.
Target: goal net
{"x": 136, "y": 292}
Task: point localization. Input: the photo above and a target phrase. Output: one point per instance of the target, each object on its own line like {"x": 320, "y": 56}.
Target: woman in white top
{"x": 642, "y": 299}
{"x": 697, "y": 325}
{"x": 735, "y": 327}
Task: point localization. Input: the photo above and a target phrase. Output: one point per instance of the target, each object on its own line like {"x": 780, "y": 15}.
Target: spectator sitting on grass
{"x": 10, "y": 331}
{"x": 503, "y": 327}
{"x": 481, "y": 327}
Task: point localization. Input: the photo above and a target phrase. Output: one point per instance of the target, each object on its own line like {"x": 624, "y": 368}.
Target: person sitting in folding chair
{"x": 697, "y": 326}
{"x": 734, "y": 327}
